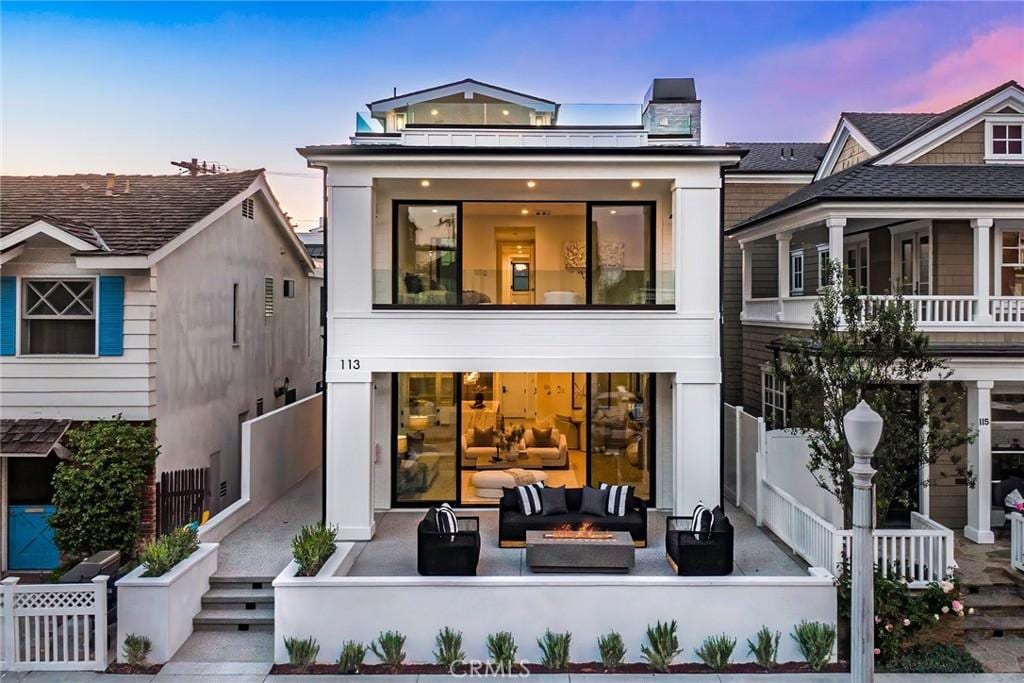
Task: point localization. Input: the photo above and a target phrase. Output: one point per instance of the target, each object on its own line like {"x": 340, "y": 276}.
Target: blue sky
{"x": 129, "y": 87}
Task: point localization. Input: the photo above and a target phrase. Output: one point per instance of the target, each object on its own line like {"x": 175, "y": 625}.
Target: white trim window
{"x": 1004, "y": 139}
{"x": 796, "y": 271}
{"x": 858, "y": 263}
{"x": 774, "y": 406}
{"x": 58, "y": 317}
{"x": 823, "y": 255}
{"x": 1011, "y": 263}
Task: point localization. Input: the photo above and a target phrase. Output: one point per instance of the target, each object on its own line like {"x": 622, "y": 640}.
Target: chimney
{"x": 671, "y": 109}
{"x": 110, "y": 185}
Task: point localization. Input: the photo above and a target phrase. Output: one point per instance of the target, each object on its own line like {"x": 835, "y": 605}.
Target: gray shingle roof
{"x": 886, "y": 129}
{"x": 780, "y": 157}
{"x": 30, "y": 437}
{"x": 906, "y": 182}
{"x": 140, "y": 215}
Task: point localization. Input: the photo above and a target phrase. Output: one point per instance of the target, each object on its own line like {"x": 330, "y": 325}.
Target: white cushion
{"x": 489, "y": 483}
{"x": 1012, "y": 498}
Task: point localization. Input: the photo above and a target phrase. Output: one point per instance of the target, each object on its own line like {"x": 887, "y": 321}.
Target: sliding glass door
{"x": 622, "y": 430}
{"x": 426, "y": 424}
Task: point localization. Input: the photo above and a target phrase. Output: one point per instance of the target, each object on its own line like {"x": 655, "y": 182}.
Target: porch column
{"x": 747, "y": 252}
{"x": 783, "y": 241}
{"x": 924, "y": 500}
{"x": 350, "y": 239}
{"x": 979, "y": 458}
{"x": 982, "y": 277}
{"x": 836, "y": 251}
{"x": 696, "y": 410}
{"x": 348, "y": 480}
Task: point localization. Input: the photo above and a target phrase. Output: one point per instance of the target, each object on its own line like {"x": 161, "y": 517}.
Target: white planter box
{"x": 162, "y": 607}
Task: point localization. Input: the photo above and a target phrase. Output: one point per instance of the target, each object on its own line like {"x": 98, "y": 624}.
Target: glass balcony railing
{"x": 569, "y": 115}
{"x": 583, "y": 114}
{"x": 483, "y": 287}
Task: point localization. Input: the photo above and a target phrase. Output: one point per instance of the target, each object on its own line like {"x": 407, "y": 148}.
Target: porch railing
{"x": 921, "y": 554}
{"x": 59, "y": 627}
{"x": 1017, "y": 541}
{"x": 810, "y": 536}
{"x": 761, "y": 309}
{"x": 929, "y": 309}
{"x": 1007, "y": 309}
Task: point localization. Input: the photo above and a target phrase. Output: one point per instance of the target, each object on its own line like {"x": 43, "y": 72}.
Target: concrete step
{"x": 996, "y": 601}
{"x": 260, "y": 619}
{"x": 242, "y": 598}
{"x": 248, "y": 582}
{"x": 980, "y": 625}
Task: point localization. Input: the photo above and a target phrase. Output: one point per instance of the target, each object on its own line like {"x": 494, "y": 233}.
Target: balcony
{"x": 931, "y": 313}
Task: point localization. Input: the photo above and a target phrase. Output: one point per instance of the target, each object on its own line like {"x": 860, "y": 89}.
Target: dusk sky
{"x": 129, "y": 87}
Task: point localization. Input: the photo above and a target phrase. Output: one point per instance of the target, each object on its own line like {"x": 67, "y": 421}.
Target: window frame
{"x": 823, "y": 253}
{"x": 459, "y": 250}
{"x": 770, "y": 410}
{"x": 1002, "y": 120}
{"x": 1000, "y": 263}
{"x": 287, "y": 288}
{"x": 235, "y": 315}
{"x": 23, "y": 315}
{"x": 794, "y": 255}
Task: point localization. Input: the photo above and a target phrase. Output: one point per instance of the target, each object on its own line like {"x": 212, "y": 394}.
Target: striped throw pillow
{"x": 703, "y": 518}
{"x": 528, "y": 498}
{"x": 447, "y": 522}
{"x": 620, "y": 498}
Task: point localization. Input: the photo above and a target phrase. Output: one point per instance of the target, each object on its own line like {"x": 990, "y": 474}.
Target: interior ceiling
{"x": 516, "y": 209}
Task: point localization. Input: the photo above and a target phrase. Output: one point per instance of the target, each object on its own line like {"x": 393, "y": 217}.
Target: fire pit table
{"x": 574, "y": 552}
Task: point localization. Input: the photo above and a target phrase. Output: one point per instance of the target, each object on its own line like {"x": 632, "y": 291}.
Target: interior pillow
{"x": 542, "y": 438}
{"x": 620, "y": 499}
{"x": 701, "y": 516}
{"x": 552, "y": 500}
{"x": 430, "y": 520}
{"x": 413, "y": 283}
{"x": 529, "y": 500}
{"x": 447, "y": 522}
{"x": 484, "y": 438}
{"x": 720, "y": 522}
{"x": 594, "y": 501}
{"x": 1013, "y": 498}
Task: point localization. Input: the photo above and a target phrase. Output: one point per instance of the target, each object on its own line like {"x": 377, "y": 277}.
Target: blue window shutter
{"x": 8, "y": 314}
{"x": 111, "y": 315}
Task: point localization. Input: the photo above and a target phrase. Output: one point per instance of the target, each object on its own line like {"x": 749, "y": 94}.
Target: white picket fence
{"x": 920, "y": 554}
{"x": 53, "y": 627}
{"x": 1017, "y": 541}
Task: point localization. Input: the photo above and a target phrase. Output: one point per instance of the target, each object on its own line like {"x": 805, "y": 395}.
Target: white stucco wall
{"x": 204, "y": 382}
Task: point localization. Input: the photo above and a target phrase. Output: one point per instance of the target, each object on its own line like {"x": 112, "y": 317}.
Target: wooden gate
{"x": 181, "y": 497}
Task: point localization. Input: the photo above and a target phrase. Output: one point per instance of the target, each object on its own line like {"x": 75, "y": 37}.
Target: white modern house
{"x": 187, "y": 301}
{"x": 929, "y": 204}
{"x": 490, "y": 265}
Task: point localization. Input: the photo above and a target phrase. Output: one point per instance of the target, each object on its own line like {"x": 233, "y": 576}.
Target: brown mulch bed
{"x": 582, "y": 667}
{"x": 150, "y": 670}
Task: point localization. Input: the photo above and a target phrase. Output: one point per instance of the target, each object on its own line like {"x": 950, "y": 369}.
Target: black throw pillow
{"x": 553, "y": 500}
{"x": 594, "y": 502}
{"x": 413, "y": 283}
{"x": 430, "y": 521}
{"x": 720, "y": 521}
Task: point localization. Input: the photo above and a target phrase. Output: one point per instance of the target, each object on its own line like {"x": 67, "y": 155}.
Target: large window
{"x": 621, "y": 430}
{"x": 1011, "y": 268}
{"x": 774, "y": 401}
{"x": 59, "y": 317}
{"x": 796, "y": 271}
{"x": 426, "y": 254}
{"x": 425, "y": 467}
{"x": 479, "y": 253}
{"x": 622, "y": 254}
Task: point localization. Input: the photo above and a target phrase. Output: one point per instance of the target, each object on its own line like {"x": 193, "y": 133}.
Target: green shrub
{"x": 312, "y": 546}
{"x": 554, "y": 649}
{"x": 937, "y": 658}
{"x": 815, "y": 639}
{"x": 135, "y": 650}
{"x": 502, "y": 648}
{"x": 449, "y": 650}
{"x": 612, "y": 649}
{"x": 98, "y": 491}
{"x": 302, "y": 652}
{"x": 163, "y": 553}
{"x": 352, "y": 656}
{"x": 765, "y": 647}
{"x": 662, "y": 645}
{"x": 716, "y": 651}
{"x": 389, "y": 648}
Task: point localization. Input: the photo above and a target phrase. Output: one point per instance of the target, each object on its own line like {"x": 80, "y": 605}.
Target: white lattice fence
{"x": 54, "y": 627}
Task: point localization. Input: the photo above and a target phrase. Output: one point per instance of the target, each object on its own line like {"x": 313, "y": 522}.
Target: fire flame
{"x": 586, "y": 531}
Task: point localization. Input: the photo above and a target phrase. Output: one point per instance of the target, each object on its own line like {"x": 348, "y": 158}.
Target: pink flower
{"x": 1019, "y": 507}
{"x": 878, "y": 620}
{"x": 957, "y": 606}
{"x": 946, "y": 586}
{"x": 877, "y": 652}
{"x": 888, "y": 627}
{"x": 945, "y": 610}
{"x": 906, "y": 622}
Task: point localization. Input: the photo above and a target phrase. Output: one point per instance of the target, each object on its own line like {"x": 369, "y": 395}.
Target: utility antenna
{"x": 194, "y": 167}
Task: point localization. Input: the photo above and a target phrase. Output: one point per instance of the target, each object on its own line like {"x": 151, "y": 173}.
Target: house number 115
{"x": 349, "y": 363}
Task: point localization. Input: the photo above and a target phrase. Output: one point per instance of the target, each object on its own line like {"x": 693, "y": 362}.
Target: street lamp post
{"x": 863, "y": 427}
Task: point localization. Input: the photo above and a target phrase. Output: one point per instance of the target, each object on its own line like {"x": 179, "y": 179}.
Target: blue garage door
{"x": 31, "y": 543}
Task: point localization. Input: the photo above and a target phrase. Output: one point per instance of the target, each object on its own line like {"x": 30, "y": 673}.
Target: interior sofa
{"x": 471, "y": 454}
{"x": 550, "y": 456}
{"x": 513, "y": 525}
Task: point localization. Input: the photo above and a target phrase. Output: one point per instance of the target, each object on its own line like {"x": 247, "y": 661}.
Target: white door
{"x": 913, "y": 261}
{"x": 516, "y": 395}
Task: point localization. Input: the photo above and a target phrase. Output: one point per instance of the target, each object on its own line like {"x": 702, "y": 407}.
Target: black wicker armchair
{"x": 699, "y": 553}
{"x": 444, "y": 554}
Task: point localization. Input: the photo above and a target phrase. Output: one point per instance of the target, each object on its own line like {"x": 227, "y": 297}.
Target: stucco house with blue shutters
{"x": 187, "y": 301}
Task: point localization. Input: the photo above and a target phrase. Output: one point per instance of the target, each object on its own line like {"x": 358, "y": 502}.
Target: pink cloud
{"x": 990, "y": 59}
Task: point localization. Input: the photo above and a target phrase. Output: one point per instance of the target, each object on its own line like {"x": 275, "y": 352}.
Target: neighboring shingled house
{"x": 183, "y": 300}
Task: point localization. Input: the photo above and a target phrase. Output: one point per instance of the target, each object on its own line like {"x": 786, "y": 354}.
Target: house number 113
{"x": 349, "y": 363}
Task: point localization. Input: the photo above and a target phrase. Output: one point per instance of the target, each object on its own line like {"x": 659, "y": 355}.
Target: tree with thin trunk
{"x": 869, "y": 347}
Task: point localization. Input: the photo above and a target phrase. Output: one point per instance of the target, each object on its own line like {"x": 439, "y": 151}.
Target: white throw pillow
{"x": 1012, "y": 498}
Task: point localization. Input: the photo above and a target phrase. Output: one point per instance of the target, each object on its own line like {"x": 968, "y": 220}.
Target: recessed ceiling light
{"x": 433, "y": 211}
{"x": 613, "y": 212}
{"x": 524, "y": 211}
{"x": 424, "y": 183}
{"x": 504, "y": 112}
{"x": 433, "y": 112}
{"x": 635, "y": 184}
{"x": 531, "y": 183}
